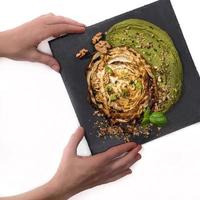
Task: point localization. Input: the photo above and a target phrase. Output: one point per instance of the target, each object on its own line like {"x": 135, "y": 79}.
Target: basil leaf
{"x": 147, "y": 112}
{"x": 158, "y": 118}
{"x": 146, "y": 116}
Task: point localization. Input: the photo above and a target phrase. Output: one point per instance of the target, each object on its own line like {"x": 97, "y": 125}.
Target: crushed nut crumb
{"x": 81, "y": 53}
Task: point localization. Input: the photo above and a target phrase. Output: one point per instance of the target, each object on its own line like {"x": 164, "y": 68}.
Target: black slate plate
{"x": 184, "y": 113}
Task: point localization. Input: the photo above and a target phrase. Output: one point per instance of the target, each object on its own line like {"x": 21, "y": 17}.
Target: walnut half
{"x": 102, "y": 46}
{"x": 97, "y": 37}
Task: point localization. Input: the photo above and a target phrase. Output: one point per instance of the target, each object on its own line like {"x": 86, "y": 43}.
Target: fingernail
{"x": 80, "y": 127}
{"x": 139, "y": 157}
{"x": 129, "y": 171}
{"x": 134, "y": 143}
{"x": 56, "y": 68}
{"x": 83, "y": 25}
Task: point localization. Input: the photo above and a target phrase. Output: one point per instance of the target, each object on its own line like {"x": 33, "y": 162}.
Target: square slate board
{"x": 64, "y": 49}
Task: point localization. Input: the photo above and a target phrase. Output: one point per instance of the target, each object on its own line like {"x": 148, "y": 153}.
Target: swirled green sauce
{"x": 158, "y": 49}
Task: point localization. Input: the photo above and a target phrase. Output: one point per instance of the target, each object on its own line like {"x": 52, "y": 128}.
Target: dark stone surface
{"x": 64, "y": 49}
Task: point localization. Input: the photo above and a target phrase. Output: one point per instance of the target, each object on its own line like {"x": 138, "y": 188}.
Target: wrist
{"x": 2, "y": 44}
{"x": 8, "y": 44}
{"x": 58, "y": 191}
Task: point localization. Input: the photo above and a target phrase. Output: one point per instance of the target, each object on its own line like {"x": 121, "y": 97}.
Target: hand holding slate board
{"x": 64, "y": 49}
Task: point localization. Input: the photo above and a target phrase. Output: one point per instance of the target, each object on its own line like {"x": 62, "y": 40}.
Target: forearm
{"x": 45, "y": 192}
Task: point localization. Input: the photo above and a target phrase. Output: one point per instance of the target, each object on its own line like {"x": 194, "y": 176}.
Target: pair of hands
{"x": 75, "y": 173}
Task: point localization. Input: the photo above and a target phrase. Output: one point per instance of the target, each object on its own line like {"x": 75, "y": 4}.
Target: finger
{"x": 53, "y": 19}
{"x": 46, "y": 59}
{"x": 133, "y": 161}
{"x": 116, "y": 151}
{"x": 128, "y": 160}
{"x": 60, "y": 29}
{"x": 47, "y": 15}
{"x": 75, "y": 139}
{"x": 44, "y": 18}
{"x": 73, "y": 22}
{"x": 119, "y": 175}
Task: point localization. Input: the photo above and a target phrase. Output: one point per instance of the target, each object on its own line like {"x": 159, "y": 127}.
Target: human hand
{"x": 78, "y": 173}
{"x": 21, "y": 42}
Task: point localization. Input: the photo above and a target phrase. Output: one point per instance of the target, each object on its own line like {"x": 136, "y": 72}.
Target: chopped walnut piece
{"x": 81, "y": 53}
{"x": 102, "y": 46}
{"x": 97, "y": 37}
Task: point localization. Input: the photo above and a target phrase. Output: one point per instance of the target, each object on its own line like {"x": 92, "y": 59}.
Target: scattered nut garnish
{"x": 97, "y": 37}
{"x": 159, "y": 79}
{"x": 81, "y": 53}
{"x": 102, "y": 46}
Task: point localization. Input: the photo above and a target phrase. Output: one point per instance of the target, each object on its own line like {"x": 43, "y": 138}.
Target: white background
{"x": 37, "y": 118}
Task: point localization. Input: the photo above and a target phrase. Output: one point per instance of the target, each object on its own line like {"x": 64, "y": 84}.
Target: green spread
{"x": 157, "y": 48}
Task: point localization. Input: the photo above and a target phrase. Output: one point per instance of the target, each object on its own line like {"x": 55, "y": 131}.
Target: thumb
{"x": 75, "y": 139}
{"x": 46, "y": 59}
